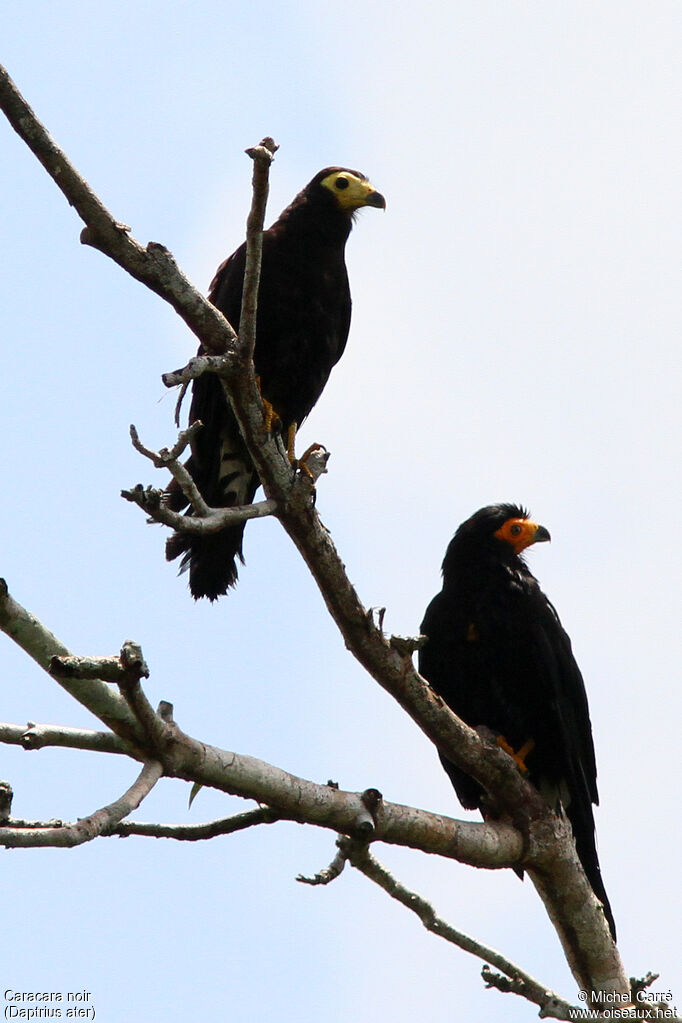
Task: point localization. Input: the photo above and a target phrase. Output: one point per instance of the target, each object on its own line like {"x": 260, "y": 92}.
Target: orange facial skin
{"x": 521, "y": 533}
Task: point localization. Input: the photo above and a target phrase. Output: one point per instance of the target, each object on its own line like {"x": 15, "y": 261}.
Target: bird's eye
{"x": 515, "y": 530}
{"x": 341, "y": 182}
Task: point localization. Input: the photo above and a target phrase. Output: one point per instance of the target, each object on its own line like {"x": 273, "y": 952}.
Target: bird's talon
{"x": 300, "y": 465}
{"x": 318, "y": 456}
{"x": 271, "y": 418}
{"x": 518, "y": 756}
{"x": 309, "y": 450}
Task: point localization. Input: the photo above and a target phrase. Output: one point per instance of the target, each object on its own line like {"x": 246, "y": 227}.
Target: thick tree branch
{"x": 153, "y": 265}
{"x": 99, "y": 823}
{"x": 491, "y": 845}
{"x": 39, "y": 643}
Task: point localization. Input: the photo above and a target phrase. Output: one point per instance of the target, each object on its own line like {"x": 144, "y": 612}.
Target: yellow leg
{"x": 518, "y": 756}
{"x": 291, "y": 443}
{"x": 271, "y": 418}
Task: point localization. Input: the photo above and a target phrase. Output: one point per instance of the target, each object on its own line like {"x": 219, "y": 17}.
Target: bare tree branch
{"x": 334, "y": 870}
{"x": 85, "y": 830}
{"x": 361, "y": 858}
{"x": 206, "y": 519}
{"x": 262, "y": 156}
{"x": 34, "y": 737}
{"x": 492, "y": 845}
{"x": 165, "y": 459}
{"x": 198, "y": 832}
{"x": 196, "y": 367}
{"x": 153, "y": 265}
{"x": 128, "y": 664}
{"x": 39, "y": 643}
{"x": 151, "y": 501}
{"x": 156, "y": 725}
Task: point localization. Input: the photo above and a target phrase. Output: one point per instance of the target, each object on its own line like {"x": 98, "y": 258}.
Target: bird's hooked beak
{"x": 376, "y": 199}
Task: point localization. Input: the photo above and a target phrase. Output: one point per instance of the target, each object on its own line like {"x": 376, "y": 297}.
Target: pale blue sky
{"x": 515, "y": 337}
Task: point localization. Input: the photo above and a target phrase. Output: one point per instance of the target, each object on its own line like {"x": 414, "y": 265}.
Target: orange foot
{"x": 271, "y": 418}
{"x": 322, "y": 456}
{"x": 518, "y": 756}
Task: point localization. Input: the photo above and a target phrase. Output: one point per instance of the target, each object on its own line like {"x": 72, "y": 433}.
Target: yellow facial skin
{"x": 352, "y": 192}
{"x": 521, "y": 533}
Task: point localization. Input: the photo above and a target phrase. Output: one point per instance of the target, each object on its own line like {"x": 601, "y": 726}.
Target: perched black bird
{"x": 304, "y": 309}
{"x": 499, "y": 657}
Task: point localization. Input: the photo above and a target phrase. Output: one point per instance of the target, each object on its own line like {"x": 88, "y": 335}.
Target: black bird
{"x": 499, "y": 657}
{"x": 304, "y": 309}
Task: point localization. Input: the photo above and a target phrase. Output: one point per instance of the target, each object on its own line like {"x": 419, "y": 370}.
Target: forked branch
{"x": 101, "y": 822}
{"x": 205, "y": 519}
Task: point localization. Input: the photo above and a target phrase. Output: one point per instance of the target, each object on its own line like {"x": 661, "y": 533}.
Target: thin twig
{"x": 221, "y": 365}
{"x": 151, "y": 501}
{"x": 361, "y": 858}
{"x": 156, "y": 727}
{"x": 101, "y": 822}
{"x": 168, "y": 459}
{"x": 198, "y": 832}
{"x": 34, "y": 737}
{"x": 262, "y": 156}
{"x": 206, "y": 520}
{"x": 165, "y": 455}
{"x": 335, "y": 868}
{"x": 109, "y": 669}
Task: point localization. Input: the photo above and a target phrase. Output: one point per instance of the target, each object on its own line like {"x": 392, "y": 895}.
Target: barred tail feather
{"x": 211, "y": 560}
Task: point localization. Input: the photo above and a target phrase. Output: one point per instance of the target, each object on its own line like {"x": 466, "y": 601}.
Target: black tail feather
{"x": 224, "y": 474}
{"x": 211, "y": 560}
{"x": 584, "y": 834}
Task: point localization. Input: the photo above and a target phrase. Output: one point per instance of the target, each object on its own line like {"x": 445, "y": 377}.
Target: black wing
{"x": 570, "y": 729}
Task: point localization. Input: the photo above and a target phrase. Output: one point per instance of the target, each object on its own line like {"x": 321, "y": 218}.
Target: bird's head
{"x": 349, "y": 188}
{"x": 502, "y": 531}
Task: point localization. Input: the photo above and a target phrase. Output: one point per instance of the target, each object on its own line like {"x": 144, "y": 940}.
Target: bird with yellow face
{"x": 302, "y": 324}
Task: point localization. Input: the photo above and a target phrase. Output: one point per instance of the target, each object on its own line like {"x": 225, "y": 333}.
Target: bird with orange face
{"x": 498, "y": 655}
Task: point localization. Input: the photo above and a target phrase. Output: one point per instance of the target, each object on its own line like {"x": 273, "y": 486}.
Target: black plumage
{"x": 304, "y": 310}
{"x": 499, "y": 657}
